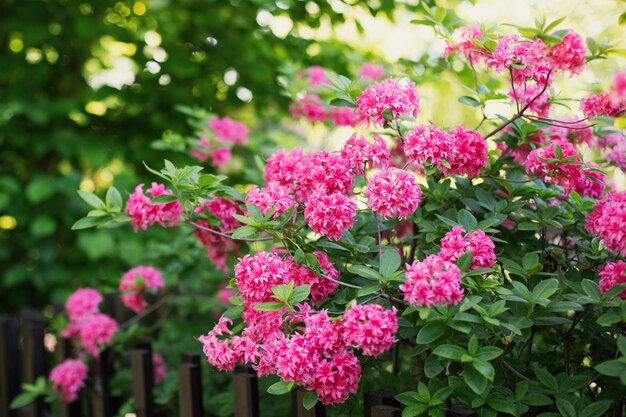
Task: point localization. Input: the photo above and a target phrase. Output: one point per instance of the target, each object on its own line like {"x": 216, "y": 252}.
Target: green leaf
{"x": 546, "y": 379}
{"x": 596, "y": 409}
{"x": 474, "y": 379}
{"x": 280, "y": 388}
{"x": 546, "y": 288}
{"x": 565, "y": 407}
{"x": 365, "y": 272}
{"x": 369, "y": 289}
{"x": 469, "y": 101}
{"x": 484, "y": 368}
{"x": 23, "y": 399}
{"x": 472, "y": 346}
{"x": 91, "y": 199}
{"x": 207, "y": 180}
{"x": 309, "y": 400}
{"x": 467, "y": 220}
{"x": 488, "y": 353}
{"x": 88, "y": 222}
{"x": 407, "y": 398}
{"x": 243, "y": 232}
{"x": 390, "y": 261}
{"x": 114, "y": 198}
{"x": 465, "y": 261}
{"x": 558, "y": 152}
{"x": 529, "y": 226}
{"x": 299, "y": 294}
{"x": 451, "y": 352}
{"x": 612, "y": 368}
{"x": 433, "y": 366}
{"x": 163, "y": 199}
{"x": 269, "y": 306}
{"x": 591, "y": 289}
{"x": 442, "y": 393}
{"x": 430, "y": 333}
{"x": 423, "y": 391}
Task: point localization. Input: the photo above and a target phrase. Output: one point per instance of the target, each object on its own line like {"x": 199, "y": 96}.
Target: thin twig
{"x": 215, "y": 232}
{"x": 145, "y": 312}
{"x": 513, "y": 370}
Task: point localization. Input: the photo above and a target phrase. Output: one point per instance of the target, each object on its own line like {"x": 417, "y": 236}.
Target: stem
{"x": 413, "y": 244}
{"x": 145, "y": 312}
{"x": 521, "y": 112}
{"x": 513, "y": 370}
{"x": 215, "y": 232}
{"x": 336, "y": 281}
{"x": 566, "y": 337}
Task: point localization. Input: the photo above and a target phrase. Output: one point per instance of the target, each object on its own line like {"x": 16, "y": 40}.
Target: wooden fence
{"x": 23, "y": 359}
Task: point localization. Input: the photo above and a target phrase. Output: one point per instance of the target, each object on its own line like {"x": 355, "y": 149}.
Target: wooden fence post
{"x": 246, "y": 396}
{"x": 143, "y": 381}
{"x": 63, "y": 351}
{"x": 102, "y": 368}
{"x": 9, "y": 364}
{"x": 298, "y": 409}
{"x": 34, "y": 357}
{"x": 373, "y": 399}
{"x": 190, "y": 386}
{"x": 385, "y": 411}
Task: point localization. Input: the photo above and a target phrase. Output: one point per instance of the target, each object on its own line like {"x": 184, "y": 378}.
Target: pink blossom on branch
{"x": 330, "y": 214}
{"x": 82, "y": 303}
{"x": 257, "y": 274}
{"x": 393, "y": 193}
{"x": 429, "y": 144}
{"x": 462, "y": 42}
{"x": 454, "y": 244}
{"x": 372, "y": 71}
{"x": 563, "y": 173}
{"x": 612, "y": 274}
{"x": 96, "y": 331}
{"x": 134, "y": 284}
{"x": 432, "y": 281}
{"x": 608, "y": 220}
{"x": 271, "y": 197}
{"x": 144, "y": 213}
{"x": 321, "y": 288}
{"x": 160, "y": 369}
{"x": 226, "y": 129}
{"x": 399, "y": 96}
{"x": 470, "y": 154}
{"x": 370, "y": 328}
{"x": 68, "y": 378}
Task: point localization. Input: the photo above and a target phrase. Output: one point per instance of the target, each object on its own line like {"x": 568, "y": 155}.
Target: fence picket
{"x": 246, "y": 392}
{"x": 385, "y": 411}
{"x": 143, "y": 380}
{"x": 33, "y": 330}
{"x": 101, "y": 400}
{"x": 9, "y": 364}
{"x": 63, "y": 351}
{"x": 372, "y": 399}
{"x": 459, "y": 412}
{"x": 298, "y": 408}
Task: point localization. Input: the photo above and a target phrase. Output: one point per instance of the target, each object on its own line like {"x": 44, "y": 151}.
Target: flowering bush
{"x": 464, "y": 259}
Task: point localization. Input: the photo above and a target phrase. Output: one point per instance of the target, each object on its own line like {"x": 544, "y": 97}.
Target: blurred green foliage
{"x": 86, "y": 86}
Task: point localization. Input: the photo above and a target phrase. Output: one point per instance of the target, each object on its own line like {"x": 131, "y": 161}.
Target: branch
{"x": 145, "y": 312}
{"x": 215, "y": 232}
{"x": 513, "y": 370}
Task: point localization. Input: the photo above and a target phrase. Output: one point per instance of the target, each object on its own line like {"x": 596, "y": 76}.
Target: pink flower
{"x": 612, "y": 274}
{"x": 569, "y": 54}
{"x": 400, "y": 97}
{"x": 310, "y": 107}
{"x": 218, "y": 246}
{"x": 588, "y": 187}
{"x": 159, "y": 367}
{"x": 257, "y": 274}
{"x": 316, "y": 75}
{"x": 470, "y": 154}
{"x": 358, "y": 151}
{"x": 370, "y": 328}
{"x": 201, "y": 151}
{"x": 342, "y": 116}
{"x": 96, "y": 331}
{"x": 330, "y": 214}
{"x": 334, "y": 380}
{"x": 454, "y": 244}
{"x": 324, "y": 172}
{"x": 369, "y": 70}
{"x": 134, "y": 284}
{"x": 393, "y": 193}
{"x": 271, "y": 197}
{"x": 68, "y": 378}
{"x": 619, "y": 85}
{"x": 220, "y": 156}
{"x": 324, "y": 335}
{"x": 608, "y": 220}
{"x": 617, "y": 155}
{"x": 143, "y": 213}
{"x": 598, "y": 105}
{"x": 282, "y": 168}
{"x": 565, "y": 173}
{"x": 576, "y": 132}
{"x": 432, "y": 281}
{"x": 429, "y": 144}
{"x": 218, "y": 351}
{"x": 461, "y": 42}
{"x": 82, "y": 303}
{"x": 534, "y": 95}
{"x": 321, "y": 288}
{"x": 226, "y": 129}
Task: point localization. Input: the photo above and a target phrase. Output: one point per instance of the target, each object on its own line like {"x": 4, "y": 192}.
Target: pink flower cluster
{"x": 317, "y": 357}
{"x": 68, "y": 378}
{"x": 372, "y": 71}
{"x": 311, "y": 108}
{"x": 330, "y": 214}
{"x": 360, "y": 153}
{"x": 612, "y": 274}
{"x": 608, "y": 220}
{"x": 398, "y": 96}
{"x": 393, "y": 193}
{"x": 218, "y": 247}
{"x": 159, "y": 367}
{"x": 611, "y": 103}
{"x": 321, "y": 288}
{"x": 459, "y": 152}
{"x": 432, "y": 281}
{"x": 135, "y": 283}
{"x": 272, "y": 197}
{"x": 563, "y": 172}
{"x": 87, "y": 324}
{"x": 462, "y": 43}
{"x": 223, "y": 133}
{"x": 143, "y": 213}
{"x": 454, "y": 244}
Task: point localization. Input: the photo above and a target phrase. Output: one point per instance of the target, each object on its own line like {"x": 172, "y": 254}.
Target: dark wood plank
{"x": 102, "y": 369}
{"x": 190, "y": 390}
{"x": 372, "y": 399}
{"x": 143, "y": 381}
{"x": 9, "y": 364}
{"x": 298, "y": 409}
{"x": 246, "y": 392}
